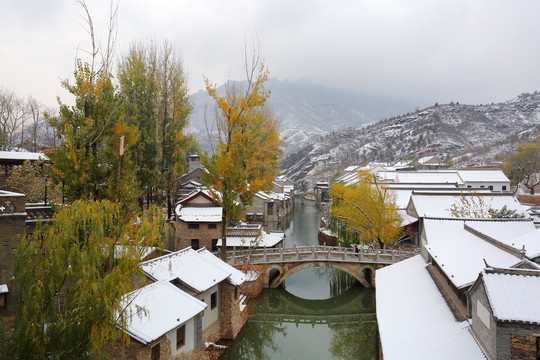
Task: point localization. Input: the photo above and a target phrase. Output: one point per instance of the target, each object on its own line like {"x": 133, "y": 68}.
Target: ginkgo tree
{"x": 249, "y": 146}
{"x": 367, "y": 210}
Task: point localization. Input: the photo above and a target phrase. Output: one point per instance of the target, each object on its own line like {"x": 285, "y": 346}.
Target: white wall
{"x": 210, "y": 315}
{"x": 190, "y": 338}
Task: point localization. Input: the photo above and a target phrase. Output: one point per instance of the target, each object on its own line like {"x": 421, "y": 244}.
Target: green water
{"x": 318, "y": 313}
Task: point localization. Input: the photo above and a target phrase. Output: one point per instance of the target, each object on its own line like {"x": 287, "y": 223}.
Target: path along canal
{"x": 318, "y": 313}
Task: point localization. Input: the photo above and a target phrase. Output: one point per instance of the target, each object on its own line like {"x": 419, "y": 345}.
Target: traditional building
{"x": 198, "y": 221}
{"x": 208, "y": 279}
{"x": 244, "y": 236}
{"x": 164, "y": 322}
{"x": 505, "y": 313}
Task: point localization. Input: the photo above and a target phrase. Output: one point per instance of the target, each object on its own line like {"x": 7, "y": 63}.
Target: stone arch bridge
{"x": 276, "y": 264}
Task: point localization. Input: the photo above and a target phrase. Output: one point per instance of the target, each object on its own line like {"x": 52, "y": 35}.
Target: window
{"x": 195, "y": 244}
{"x": 236, "y": 293}
{"x": 193, "y": 226}
{"x": 180, "y": 336}
{"x": 212, "y": 226}
{"x": 214, "y": 244}
{"x": 490, "y": 187}
{"x": 213, "y": 300}
{"x": 155, "y": 352}
{"x": 504, "y": 187}
{"x": 270, "y": 208}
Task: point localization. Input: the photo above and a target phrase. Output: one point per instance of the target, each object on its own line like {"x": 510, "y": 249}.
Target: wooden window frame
{"x": 213, "y": 300}
{"x": 180, "y": 336}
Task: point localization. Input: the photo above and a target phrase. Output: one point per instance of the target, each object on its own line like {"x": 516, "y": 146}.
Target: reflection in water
{"x": 318, "y": 313}
{"x": 284, "y": 325}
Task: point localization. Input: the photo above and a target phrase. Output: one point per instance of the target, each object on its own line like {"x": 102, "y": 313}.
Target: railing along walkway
{"x": 313, "y": 319}
{"x": 318, "y": 253}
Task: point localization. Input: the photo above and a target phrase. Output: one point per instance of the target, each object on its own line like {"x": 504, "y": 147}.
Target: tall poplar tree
{"x": 154, "y": 88}
{"x": 91, "y": 161}
{"x": 246, "y": 158}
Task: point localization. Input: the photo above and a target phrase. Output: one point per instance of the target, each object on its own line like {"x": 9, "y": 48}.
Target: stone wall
{"x": 137, "y": 351}
{"x": 329, "y": 240}
{"x": 13, "y": 227}
{"x": 232, "y": 318}
{"x": 485, "y": 335}
{"x": 517, "y": 340}
{"x": 204, "y": 234}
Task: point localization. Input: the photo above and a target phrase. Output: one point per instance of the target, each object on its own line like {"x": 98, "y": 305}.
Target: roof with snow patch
{"x": 419, "y": 325}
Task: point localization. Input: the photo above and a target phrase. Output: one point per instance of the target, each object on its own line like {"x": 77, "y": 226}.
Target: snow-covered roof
{"x": 460, "y": 253}
{"x": 3, "y": 288}
{"x": 22, "y": 156}
{"x": 264, "y": 240}
{"x": 144, "y": 251}
{"x": 512, "y": 233}
{"x": 482, "y": 176}
{"x": 236, "y": 278}
{"x": 403, "y": 192}
{"x": 428, "y": 177}
{"x": 406, "y": 219}
{"x": 438, "y": 204}
{"x": 388, "y": 176}
{"x": 198, "y": 192}
{"x": 189, "y": 267}
{"x": 513, "y": 294}
{"x": 210, "y": 214}
{"x": 419, "y": 325}
{"x": 157, "y": 309}
{"x": 431, "y": 159}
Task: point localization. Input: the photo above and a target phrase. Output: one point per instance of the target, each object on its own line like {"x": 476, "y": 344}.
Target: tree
{"x": 368, "y": 211}
{"x": 472, "y": 205}
{"x": 69, "y": 282}
{"x": 523, "y": 165}
{"x": 247, "y": 154}
{"x": 92, "y": 161}
{"x": 155, "y": 92}
{"x": 13, "y": 112}
{"x": 30, "y": 179}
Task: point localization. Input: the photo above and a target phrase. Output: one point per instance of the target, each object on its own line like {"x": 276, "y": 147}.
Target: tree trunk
{"x": 223, "y": 237}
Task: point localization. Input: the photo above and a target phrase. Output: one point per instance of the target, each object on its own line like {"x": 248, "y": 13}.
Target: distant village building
{"x": 194, "y": 170}
{"x": 269, "y": 208}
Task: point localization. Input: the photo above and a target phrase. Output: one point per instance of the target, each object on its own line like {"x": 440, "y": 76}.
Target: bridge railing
{"x": 318, "y": 253}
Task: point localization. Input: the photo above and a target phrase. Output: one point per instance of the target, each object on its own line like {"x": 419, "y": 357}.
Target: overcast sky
{"x": 473, "y": 52}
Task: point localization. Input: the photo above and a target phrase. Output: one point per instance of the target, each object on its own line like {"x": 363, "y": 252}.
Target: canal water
{"x": 317, "y": 313}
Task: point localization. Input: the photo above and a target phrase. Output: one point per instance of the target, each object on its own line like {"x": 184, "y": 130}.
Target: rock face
{"x": 465, "y": 134}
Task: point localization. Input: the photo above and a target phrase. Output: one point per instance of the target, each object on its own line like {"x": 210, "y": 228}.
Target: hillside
{"x": 305, "y": 111}
{"x": 463, "y": 133}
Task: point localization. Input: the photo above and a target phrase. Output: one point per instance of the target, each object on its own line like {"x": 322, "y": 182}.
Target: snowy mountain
{"x": 305, "y": 110}
{"x": 465, "y": 134}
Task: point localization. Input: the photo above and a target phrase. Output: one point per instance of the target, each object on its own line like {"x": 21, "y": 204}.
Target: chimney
{"x": 193, "y": 162}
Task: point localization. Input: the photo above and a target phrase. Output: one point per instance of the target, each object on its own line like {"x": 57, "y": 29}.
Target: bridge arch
{"x": 277, "y": 273}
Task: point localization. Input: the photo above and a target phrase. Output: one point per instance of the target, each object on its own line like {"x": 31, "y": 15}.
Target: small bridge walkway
{"x": 279, "y": 263}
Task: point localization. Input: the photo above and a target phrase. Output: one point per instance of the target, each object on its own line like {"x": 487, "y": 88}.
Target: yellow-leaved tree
{"x": 367, "y": 210}
{"x": 249, "y": 146}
